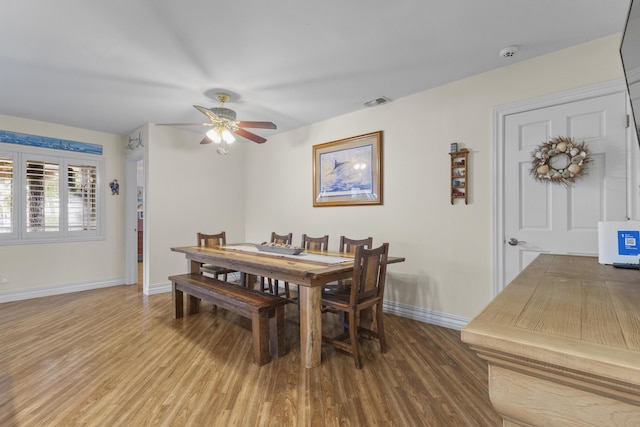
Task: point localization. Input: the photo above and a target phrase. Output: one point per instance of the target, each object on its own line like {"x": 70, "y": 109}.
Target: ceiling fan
{"x": 223, "y": 125}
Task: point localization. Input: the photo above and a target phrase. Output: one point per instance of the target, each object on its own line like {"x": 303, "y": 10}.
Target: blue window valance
{"x": 46, "y": 142}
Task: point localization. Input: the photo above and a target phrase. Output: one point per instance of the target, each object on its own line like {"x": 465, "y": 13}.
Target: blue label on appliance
{"x": 628, "y": 242}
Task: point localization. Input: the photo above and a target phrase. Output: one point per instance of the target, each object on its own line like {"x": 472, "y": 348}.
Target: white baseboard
{"x": 57, "y": 290}
{"x": 159, "y": 288}
{"x": 424, "y": 315}
{"x": 445, "y": 320}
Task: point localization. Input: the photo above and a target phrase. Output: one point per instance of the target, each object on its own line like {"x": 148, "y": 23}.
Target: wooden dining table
{"x": 307, "y": 270}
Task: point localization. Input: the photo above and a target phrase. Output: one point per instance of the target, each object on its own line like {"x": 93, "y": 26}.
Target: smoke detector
{"x": 508, "y": 52}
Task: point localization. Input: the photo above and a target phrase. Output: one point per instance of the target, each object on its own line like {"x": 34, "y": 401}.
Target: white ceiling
{"x": 114, "y": 65}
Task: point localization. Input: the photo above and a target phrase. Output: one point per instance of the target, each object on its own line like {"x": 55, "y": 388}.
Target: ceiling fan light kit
{"x": 224, "y": 125}
{"x": 219, "y": 134}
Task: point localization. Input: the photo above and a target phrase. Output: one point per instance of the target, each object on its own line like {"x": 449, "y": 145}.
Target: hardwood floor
{"x": 115, "y": 357}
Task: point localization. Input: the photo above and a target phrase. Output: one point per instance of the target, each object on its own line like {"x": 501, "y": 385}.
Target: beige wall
{"x": 262, "y": 188}
{"x": 68, "y": 266}
{"x": 448, "y": 248}
{"x": 190, "y": 189}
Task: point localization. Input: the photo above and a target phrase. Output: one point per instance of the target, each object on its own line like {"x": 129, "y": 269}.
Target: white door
{"x": 542, "y": 217}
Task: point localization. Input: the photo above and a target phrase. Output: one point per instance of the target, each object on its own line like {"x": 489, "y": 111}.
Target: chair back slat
{"x": 369, "y": 273}
{"x": 212, "y": 240}
{"x": 272, "y": 285}
{"x": 348, "y": 245}
{"x": 315, "y": 243}
{"x": 281, "y": 238}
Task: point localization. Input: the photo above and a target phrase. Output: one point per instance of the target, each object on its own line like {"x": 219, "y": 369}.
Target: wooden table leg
{"x": 193, "y": 304}
{"x": 260, "y": 333}
{"x": 277, "y": 343}
{"x": 178, "y": 301}
{"x": 310, "y": 325}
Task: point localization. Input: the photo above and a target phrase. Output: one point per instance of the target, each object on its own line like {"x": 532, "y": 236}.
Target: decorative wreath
{"x": 560, "y": 160}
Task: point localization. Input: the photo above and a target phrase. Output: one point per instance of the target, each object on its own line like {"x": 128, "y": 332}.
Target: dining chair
{"x": 367, "y": 292}
{"x": 273, "y": 285}
{"x": 315, "y": 243}
{"x": 211, "y": 241}
{"x": 348, "y": 246}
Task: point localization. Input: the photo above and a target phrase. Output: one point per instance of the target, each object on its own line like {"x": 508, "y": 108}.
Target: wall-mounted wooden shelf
{"x": 459, "y": 178}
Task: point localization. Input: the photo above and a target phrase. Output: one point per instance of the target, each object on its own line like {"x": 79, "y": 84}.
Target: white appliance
{"x": 619, "y": 242}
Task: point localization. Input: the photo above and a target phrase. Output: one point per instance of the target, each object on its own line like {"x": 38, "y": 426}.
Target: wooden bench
{"x": 265, "y": 311}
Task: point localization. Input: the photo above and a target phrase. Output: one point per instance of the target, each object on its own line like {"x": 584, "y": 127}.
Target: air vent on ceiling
{"x": 377, "y": 101}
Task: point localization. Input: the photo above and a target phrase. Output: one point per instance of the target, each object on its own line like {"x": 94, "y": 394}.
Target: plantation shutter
{"x": 43, "y": 196}
{"x": 49, "y": 198}
{"x": 7, "y": 221}
{"x": 82, "y": 203}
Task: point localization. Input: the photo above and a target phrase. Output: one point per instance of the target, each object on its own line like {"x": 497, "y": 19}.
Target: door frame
{"x": 499, "y": 115}
{"x": 131, "y": 220}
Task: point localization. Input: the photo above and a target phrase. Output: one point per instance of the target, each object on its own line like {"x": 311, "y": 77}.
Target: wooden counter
{"x": 563, "y": 344}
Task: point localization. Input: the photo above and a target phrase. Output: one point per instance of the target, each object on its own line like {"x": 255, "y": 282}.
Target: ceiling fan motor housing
{"x": 224, "y": 113}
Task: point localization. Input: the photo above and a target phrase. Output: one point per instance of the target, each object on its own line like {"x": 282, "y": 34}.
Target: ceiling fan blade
{"x": 252, "y": 136}
{"x": 207, "y": 112}
{"x": 261, "y": 125}
{"x": 184, "y": 124}
{"x": 206, "y": 140}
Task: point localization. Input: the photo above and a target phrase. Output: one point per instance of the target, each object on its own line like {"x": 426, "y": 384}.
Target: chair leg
{"x": 265, "y": 284}
{"x": 353, "y": 336}
{"x": 380, "y": 327}
{"x": 344, "y": 320}
{"x": 287, "y": 295}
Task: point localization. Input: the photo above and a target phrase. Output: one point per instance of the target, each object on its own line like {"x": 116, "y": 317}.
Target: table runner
{"x": 304, "y": 256}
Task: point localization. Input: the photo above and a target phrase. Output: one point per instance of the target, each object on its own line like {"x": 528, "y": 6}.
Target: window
{"x": 82, "y": 203}
{"x": 43, "y": 197}
{"x": 48, "y": 198}
{"x": 6, "y": 195}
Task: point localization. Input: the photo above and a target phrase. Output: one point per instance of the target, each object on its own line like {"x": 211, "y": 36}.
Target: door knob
{"x": 513, "y": 241}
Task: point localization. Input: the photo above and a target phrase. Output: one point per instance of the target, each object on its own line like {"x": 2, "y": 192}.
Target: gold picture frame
{"x": 348, "y": 171}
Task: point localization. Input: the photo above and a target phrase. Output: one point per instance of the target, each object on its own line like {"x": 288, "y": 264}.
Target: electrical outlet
{"x": 4, "y": 279}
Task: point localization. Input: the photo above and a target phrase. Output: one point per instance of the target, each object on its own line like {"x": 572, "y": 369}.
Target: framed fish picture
{"x": 348, "y": 171}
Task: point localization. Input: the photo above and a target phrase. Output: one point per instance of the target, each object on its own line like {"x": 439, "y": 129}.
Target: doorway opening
{"x": 140, "y": 220}
{"x": 135, "y": 258}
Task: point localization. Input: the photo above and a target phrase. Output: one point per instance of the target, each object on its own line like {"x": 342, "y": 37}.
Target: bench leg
{"x": 193, "y": 305}
{"x": 178, "y": 301}
{"x": 276, "y": 333}
{"x": 260, "y": 332}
